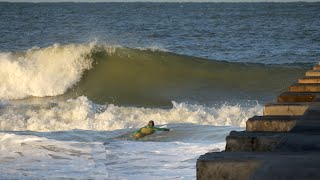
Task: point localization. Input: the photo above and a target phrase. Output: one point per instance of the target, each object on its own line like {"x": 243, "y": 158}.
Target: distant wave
{"x": 108, "y": 74}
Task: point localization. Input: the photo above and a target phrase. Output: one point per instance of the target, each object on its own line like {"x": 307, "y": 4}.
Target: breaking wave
{"x": 42, "y": 72}
{"x": 81, "y": 113}
{"x": 139, "y": 77}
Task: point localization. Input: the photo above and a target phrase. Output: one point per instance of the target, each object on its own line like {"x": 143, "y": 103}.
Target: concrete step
{"x": 308, "y": 126}
{"x": 317, "y": 67}
{"x": 252, "y": 141}
{"x": 297, "y": 97}
{"x": 309, "y": 80}
{"x": 314, "y": 110}
{"x": 259, "y": 166}
{"x": 285, "y": 108}
{"x": 310, "y": 121}
{"x": 272, "y": 123}
{"x": 317, "y": 99}
{"x": 305, "y": 88}
{"x": 244, "y": 141}
{"x": 299, "y": 142}
{"x": 304, "y": 136}
{"x": 313, "y": 73}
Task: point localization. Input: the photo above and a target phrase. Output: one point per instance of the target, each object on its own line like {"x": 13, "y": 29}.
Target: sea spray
{"x": 43, "y": 71}
{"x": 81, "y": 113}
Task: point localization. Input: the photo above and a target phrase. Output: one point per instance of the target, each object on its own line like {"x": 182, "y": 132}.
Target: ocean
{"x": 77, "y": 79}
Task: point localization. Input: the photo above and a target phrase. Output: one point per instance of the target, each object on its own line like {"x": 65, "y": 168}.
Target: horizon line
{"x": 159, "y": 1}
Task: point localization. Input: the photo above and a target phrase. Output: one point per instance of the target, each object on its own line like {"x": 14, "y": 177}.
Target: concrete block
{"x": 317, "y": 67}
{"x": 296, "y": 97}
{"x": 305, "y": 88}
{"x": 299, "y": 142}
{"x": 220, "y": 168}
{"x": 272, "y": 123}
{"x": 285, "y": 108}
{"x": 288, "y": 166}
{"x": 313, "y": 73}
{"x": 308, "y": 126}
{"x": 317, "y": 99}
{"x": 309, "y": 80}
{"x": 239, "y": 143}
{"x": 253, "y": 141}
{"x": 259, "y": 166}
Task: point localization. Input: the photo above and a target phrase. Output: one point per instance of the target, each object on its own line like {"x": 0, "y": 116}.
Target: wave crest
{"x": 42, "y": 72}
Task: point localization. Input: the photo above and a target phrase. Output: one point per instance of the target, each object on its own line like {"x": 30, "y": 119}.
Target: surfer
{"x": 147, "y": 130}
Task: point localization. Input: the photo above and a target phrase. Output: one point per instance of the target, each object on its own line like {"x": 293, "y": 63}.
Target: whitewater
{"x": 77, "y": 79}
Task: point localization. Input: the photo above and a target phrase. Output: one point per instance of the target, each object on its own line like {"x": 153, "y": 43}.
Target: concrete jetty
{"x": 284, "y": 143}
{"x": 309, "y": 80}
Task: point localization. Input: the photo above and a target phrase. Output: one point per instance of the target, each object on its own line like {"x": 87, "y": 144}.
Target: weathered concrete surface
{"x": 305, "y": 88}
{"x": 297, "y": 97}
{"x": 311, "y": 121}
{"x": 307, "y": 126}
{"x": 259, "y": 166}
{"x": 271, "y": 141}
{"x": 317, "y": 67}
{"x": 253, "y": 141}
{"x": 285, "y": 108}
{"x": 219, "y": 166}
{"x": 272, "y": 123}
{"x": 309, "y": 80}
{"x": 291, "y": 166}
{"x": 298, "y": 142}
{"x": 313, "y": 73}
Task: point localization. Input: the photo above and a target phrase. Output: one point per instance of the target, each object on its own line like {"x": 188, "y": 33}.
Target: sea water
{"x": 77, "y": 79}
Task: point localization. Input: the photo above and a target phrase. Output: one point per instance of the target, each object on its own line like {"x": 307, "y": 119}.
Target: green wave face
{"x": 155, "y": 78}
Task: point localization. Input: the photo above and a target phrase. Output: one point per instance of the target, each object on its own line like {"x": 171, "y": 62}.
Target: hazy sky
{"x": 160, "y": 0}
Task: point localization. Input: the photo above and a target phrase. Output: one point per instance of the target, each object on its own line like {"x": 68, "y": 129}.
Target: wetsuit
{"x": 147, "y": 130}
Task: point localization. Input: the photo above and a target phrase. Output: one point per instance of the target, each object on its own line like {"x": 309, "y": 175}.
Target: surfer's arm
{"x": 161, "y": 129}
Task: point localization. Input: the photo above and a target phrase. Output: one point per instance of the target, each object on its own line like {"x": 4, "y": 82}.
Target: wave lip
{"x": 42, "y": 72}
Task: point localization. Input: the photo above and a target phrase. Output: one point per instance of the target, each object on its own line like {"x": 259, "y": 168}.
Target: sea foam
{"x": 43, "y": 71}
{"x": 81, "y": 113}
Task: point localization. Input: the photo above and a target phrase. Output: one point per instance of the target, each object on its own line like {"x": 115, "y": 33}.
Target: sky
{"x": 159, "y": 0}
